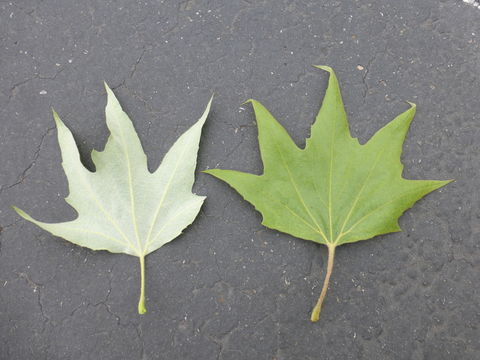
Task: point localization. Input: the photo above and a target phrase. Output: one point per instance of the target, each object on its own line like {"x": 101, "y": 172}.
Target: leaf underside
{"x": 122, "y": 207}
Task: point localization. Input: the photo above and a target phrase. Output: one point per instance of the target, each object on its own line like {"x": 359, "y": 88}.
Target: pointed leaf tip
{"x": 17, "y": 210}
{"x": 110, "y": 93}
{"x": 324, "y": 67}
{"x": 56, "y": 118}
{"x": 412, "y": 105}
{"x": 22, "y": 213}
{"x": 209, "y": 104}
{"x": 248, "y": 101}
{"x": 256, "y": 105}
{"x": 205, "y": 113}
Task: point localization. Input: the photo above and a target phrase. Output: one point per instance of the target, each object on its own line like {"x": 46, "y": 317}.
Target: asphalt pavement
{"x": 229, "y": 288}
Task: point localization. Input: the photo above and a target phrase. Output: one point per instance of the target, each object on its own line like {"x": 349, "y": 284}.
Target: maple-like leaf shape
{"x": 334, "y": 191}
{"x": 122, "y": 207}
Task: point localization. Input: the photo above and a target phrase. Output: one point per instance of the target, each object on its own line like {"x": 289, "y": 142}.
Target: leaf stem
{"x": 141, "y": 301}
{"x": 318, "y": 307}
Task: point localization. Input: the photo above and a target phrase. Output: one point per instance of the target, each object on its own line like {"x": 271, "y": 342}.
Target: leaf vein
{"x": 299, "y": 195}
{"x": 111, "y": 238}
{"x": 102, "y": 209}
{"x": 311, "y": 226}
{"x": 175, "y": 215}
{"x": 130, "y": 187}
{"x": 380, "y": 207}
{"x": 162, "y": 200}
{"x": 330, "y": 181}
{"x": 359, "y": 194}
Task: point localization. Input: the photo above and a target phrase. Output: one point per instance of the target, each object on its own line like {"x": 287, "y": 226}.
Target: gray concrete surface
{"x": 229, "y": 288}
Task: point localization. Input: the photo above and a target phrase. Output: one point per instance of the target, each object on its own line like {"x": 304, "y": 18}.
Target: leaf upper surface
{"x": 334, "y": 191}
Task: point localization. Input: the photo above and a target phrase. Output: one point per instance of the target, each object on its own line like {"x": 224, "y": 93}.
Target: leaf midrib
{"x": 299, "y": 195}
{"x": 378, "y": 208}
{"x": 132, "y": 196}
{"x": 104, "y": 211}
{"x": 330, "y": 201}
{"x": 100, "y": 234}
{"x": 160, "y": 205}
{"x": 311, "y": 226}
{"x": 151, "y": 241}
{"x": 359, "y": 194}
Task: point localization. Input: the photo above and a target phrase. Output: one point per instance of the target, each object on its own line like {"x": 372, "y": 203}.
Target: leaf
{"x": 334, "y": 191}
{"x": 122, "y": 207}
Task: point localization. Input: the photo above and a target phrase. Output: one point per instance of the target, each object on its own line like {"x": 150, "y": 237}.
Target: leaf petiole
{"x": 318, "y": 307}
{"x": 141, "y": 301}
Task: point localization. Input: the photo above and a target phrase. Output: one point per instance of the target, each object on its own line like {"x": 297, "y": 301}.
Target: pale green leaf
{"x": 334, "y": 191}
{"x": 122, "y": 207}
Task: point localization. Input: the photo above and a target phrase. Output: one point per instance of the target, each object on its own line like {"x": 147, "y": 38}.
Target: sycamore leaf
{"x": 334, "y": 191}
{"x": 122, "y": 207}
